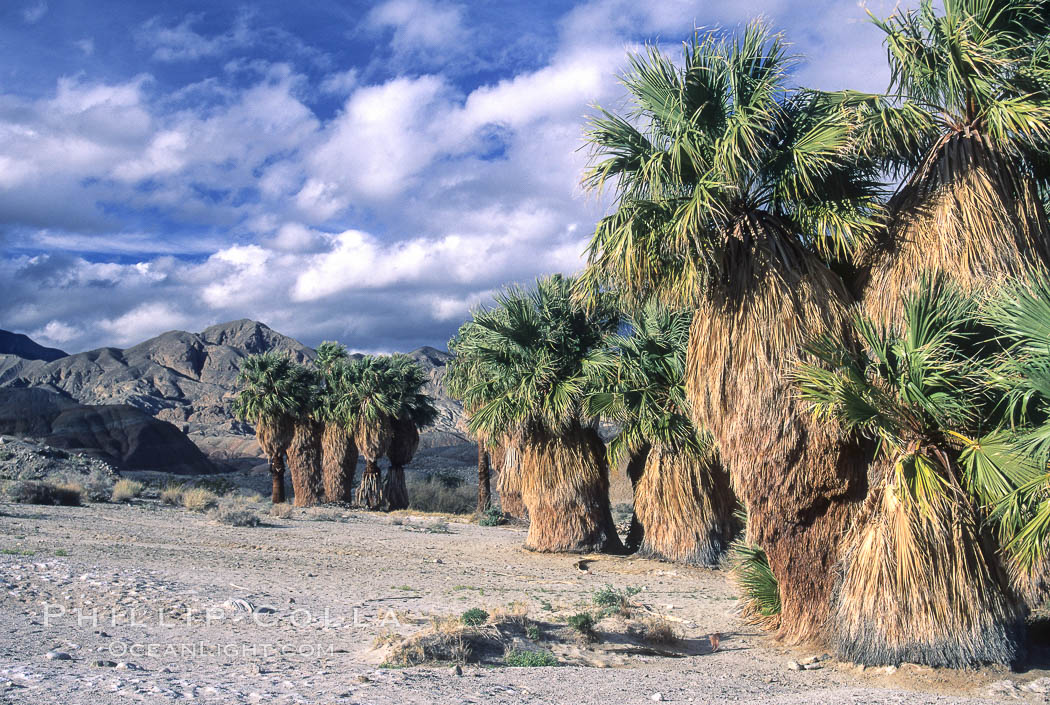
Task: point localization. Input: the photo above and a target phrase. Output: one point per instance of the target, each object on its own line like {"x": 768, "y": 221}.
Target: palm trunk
{"x": 339, "y": 463}
{"x": 304, "y": 462}
{"x": 801, "y": 483}
{"x": 507, "y": 462}
{"x": 484, "y": 486}
{"x": 370, "y": 493}
{"x": 686, "y": 507}
{"x": 396, "y": 491}
{"x": 565, "y": 485}
{"x": 635, "y": 467}
{"x": 277, "y": 475}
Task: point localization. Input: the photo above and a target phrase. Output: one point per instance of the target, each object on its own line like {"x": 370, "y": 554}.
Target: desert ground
{"x": 144, "y": 602}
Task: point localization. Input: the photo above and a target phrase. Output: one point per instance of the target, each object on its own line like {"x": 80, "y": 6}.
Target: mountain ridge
{"x": 189, "y": 380}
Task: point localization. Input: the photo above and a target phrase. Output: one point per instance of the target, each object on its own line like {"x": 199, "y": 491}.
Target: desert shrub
{"x": 172, "y": 494}
{"x": 614, "y": 601}
{"x": 583, "y": 622}
{"x": 217, "y": 485}
{"x": 281, "y": 511}
{"x": 6, "y": 455}
{"x": 534, "y": 632}
{"x": 30, "y": 492}
{"x": 126, "y": 489}
{"x": 492, "y": 517}
{"x": 326, "y": 514}
{"x": 443, "y": 641}
{"x": 254, "y": 498}
{"x": 198, "y": 499}
{"x": 474, "y": 617}
{"x": 234, "y": 514}
{"x": 98, "y": 485}
{"x": 658, "y": 630}
{"x": 518, "y": 658}
{"x": 432, "y": 494}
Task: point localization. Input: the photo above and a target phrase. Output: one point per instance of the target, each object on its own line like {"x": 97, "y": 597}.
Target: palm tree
{"x": 520, "y": 367}
{"x": 415, "y": 410}
{"x": 304, "y": 450}
{"x": 268, "y": 399}
{"x": 338, "y": 451}
{"x": 923, "y": 581}
{"x": 966, "y": 128}
{"x": 733, "y": 194}
{"x": 683, "y": 505}
{"x": 371, "y": 404}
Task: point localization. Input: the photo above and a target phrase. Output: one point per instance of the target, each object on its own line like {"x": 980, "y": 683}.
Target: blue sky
{"x": 365, "y": 172}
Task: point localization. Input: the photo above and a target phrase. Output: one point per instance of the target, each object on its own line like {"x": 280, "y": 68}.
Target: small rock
{"x": 58, "y": 656}
{"x": 457, "y": 670}
{"x": 128, "y": 666}
{"x": 104, "y": 664}
{"x": 656, "y": 697}
{"x": 891, "y": 669}
{"x": 794, "y": 666}
{"x": 812, "y": 666}
{"x": 1039, "y": 685}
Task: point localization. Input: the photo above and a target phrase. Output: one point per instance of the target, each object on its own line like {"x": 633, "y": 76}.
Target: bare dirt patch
{"x": 152, "y": 602}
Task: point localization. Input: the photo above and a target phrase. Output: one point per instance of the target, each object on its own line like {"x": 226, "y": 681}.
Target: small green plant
{"x": 492, "y": 517}
{"x": 583, "y": 622}
{"x": 61, "y": 552}
{"x": 125, "y": 490}
{"x": 518, "y": 658}
{"x": 474, "y": 617}
{"x": 17, "y": 552}
{"x": 533, "y": 632}
{"x": 613, "y": 601}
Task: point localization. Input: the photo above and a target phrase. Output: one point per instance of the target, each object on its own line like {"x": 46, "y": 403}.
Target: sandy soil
{"x": 188, "y": 608}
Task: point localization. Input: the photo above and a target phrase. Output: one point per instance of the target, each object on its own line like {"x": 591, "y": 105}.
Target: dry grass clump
{"x": 444, "y": 642}
{"x": 658, "y": 630}
{"x": 235, "y": 512}
{"x": 125, "y": 490}
{"x": 282, "y": 510}
{"x": 172, "y": 494}
{"x": 31, "y": 492}
{"x": 199, "y": 499}
{"x": 326, "y": 514}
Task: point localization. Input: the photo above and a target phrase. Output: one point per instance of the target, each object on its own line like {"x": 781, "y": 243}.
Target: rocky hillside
{"x": 189, "y": 380}
{"x": 120, "y": 434}
{"x": 26, "y": 348}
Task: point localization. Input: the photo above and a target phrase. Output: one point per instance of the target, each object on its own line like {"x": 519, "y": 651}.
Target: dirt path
{"x": 238, "y": 615}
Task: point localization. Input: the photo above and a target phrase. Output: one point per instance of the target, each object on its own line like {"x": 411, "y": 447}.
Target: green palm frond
{"x": 520, "y": 363}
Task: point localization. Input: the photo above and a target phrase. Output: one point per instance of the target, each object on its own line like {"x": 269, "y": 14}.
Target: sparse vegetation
{"x": 31, "y": 492}
{"x": 282, "y": 510}
{"x": 518, "y": 658}
{"x": 474, "y": 617}
{"x": 125, "y": 490}
{"x": 441, "y": 494}
{"x": 235, "y": 513}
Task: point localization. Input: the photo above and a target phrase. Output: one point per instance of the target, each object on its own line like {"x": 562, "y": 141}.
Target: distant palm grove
{"x": 814, "y": 330}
